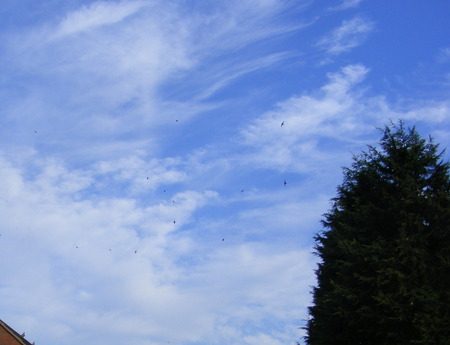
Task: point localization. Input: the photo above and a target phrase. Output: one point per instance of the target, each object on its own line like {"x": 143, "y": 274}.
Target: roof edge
{"x": 13, "y": 333}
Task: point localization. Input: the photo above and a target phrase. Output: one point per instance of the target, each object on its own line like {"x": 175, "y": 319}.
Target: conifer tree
{"x": 384, "y": 273}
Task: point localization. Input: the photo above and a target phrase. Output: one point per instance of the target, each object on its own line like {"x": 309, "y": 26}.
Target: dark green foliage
{"x": 384, "y": 275}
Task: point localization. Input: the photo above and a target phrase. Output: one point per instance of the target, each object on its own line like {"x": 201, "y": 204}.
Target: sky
{"x": 165, "y": 165}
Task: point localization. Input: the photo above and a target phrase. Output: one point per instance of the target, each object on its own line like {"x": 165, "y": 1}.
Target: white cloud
{"x": 349, "y": 35}
{"x": 346, "y": 4}
{"x": 338, "y": 116}
{"x": 81, "y": 254}
{"x": 283, "y": 218}
{"x": 104, "y": 75}
{"x": 236, "y": 24}
{"x": 261, "y": 339}
{"x": 334, "y": 113}
{"x": 96, "y": 223}
{"x": 81, "y": 259}
{"x": 236, "y": 280}
{"x": 226, "y": 74}
{"x": 444, "y": 55}
{"x": 96, "y": 15}
{"x": 141, "y": 174}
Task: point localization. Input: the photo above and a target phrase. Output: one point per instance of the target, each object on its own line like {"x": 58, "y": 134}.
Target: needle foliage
{"x": 384, "y": 271}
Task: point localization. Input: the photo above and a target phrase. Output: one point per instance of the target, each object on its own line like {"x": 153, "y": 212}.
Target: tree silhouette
{"x": 384, "y": 273}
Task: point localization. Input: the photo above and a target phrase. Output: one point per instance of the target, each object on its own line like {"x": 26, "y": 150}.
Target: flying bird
{"x": 282, "y": 124}
{"x": 285, "y": 183}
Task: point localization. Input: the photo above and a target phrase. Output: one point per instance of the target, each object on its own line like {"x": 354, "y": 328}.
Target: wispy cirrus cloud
{"x": 96, "y": 15}
{"x": 444, "y": 55}
{"x": 308, "y": 119}
{"x": 349, "y": 35}
{"x": 112, "y": 60}
{"x": 230, "y": 71}
{"x": 346, "y": 4}
{"x": 302, "y": 132}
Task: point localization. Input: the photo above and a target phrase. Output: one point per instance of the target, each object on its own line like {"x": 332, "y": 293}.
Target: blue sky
{"x": 142, "y": 157}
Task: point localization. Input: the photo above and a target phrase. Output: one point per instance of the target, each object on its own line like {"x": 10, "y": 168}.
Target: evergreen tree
{"x": 384, "y": 274}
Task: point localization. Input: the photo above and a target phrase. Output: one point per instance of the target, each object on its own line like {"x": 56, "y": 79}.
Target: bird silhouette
{"x": 282, "y": 124}
{"x": 285, "y": 183}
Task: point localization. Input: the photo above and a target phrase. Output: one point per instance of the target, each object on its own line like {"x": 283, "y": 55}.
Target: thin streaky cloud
{"x": 307, "y": 118}
{"x": 96, "y": 15}
{"x": 351, "y": 34}
{"x": 236, "y": 25}
{"x": 341, "y": 113}
{"x": 346, "y": 4}
{"x": 444, "y": 55}
{"x": 227, "y": 74}
{"x": 127, "y": 68}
